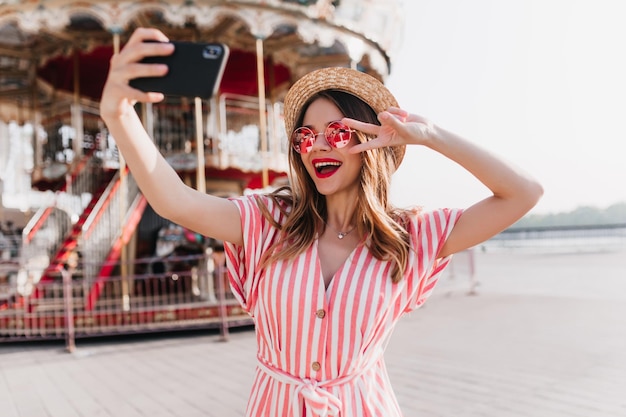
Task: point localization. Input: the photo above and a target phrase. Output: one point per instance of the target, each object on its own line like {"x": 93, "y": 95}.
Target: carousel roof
{"x": 49, "y": 48}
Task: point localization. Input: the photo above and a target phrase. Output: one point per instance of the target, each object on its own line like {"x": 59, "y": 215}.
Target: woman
{"x": 327, "y": 267}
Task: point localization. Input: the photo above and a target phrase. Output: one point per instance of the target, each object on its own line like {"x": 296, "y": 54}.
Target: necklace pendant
{"x": 341, "y": 235}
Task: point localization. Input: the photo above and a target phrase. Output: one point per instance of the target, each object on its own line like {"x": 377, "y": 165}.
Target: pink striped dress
{"x": 320, "y": 350}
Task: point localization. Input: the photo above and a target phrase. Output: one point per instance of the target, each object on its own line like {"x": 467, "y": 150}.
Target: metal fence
{"x": 170, "y": 293}
{"x": 583, "y": 238}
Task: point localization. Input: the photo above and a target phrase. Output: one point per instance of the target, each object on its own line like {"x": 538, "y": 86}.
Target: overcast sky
{"x": 540, "y": 82}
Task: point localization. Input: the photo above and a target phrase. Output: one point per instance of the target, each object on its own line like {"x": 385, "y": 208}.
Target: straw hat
{"x": 351, "y": 81}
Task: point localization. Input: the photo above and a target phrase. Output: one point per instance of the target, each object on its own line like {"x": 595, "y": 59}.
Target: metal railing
{"x": 579, "y": 238}
{"x": 49, "y": 226}
{"x": 238, "y": 142}
{"x": 105, "y": 222}
{"x": 44, "y": 232}
{"x": 191, "y": 292}
{"x": 231, "y": 136}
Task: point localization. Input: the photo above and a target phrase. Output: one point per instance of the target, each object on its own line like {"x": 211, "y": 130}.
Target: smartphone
{"x": 195, "y": 70}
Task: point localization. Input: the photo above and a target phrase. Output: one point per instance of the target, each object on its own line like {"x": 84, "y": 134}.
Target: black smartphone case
{"x": 195, "y": 70}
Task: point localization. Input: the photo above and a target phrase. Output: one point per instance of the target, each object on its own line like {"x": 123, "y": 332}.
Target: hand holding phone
{"x": 194, "y": 70}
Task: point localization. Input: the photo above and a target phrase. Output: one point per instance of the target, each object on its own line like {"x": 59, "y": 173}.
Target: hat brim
{"x": 364, "y": 86}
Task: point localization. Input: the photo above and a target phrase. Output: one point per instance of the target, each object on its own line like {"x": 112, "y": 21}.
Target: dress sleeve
{"x": 429, "y": 232}
{"x": 243, "y": 262}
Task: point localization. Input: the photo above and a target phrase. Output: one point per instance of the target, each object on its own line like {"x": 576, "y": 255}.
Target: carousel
{"x": 92, "y": 257}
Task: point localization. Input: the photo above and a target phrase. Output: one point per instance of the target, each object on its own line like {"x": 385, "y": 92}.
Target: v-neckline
{"x": 320, "y": 276}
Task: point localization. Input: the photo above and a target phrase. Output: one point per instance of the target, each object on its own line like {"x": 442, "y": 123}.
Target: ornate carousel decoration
{"x": 59, "y": 164}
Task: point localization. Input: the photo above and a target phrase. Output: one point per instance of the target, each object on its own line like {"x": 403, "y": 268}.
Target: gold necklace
{"x": 341, "y": 235}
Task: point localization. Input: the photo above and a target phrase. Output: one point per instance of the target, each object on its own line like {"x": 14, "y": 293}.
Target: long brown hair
{"x": 305, "y": 208}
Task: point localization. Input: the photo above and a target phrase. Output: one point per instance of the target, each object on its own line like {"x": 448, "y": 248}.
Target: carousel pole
{"x": 36, "y": 121}
{"x": 201, "y": 161}
{"x": 262, "y": 117}
{"x": 77, "y": 119}
{"x": 123, "y": 204}
{"x": 200, "y": 170}
{"x": 273, "y": 140}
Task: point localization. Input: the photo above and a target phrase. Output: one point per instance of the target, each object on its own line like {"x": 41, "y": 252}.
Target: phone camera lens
{"x": 212, "y": 52}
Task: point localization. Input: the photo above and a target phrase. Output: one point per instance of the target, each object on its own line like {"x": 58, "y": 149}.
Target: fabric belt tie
{"x": 318, "y": 401}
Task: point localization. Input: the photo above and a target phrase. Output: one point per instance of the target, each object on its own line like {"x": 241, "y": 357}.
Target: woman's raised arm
{"x": 514, "y": 191}
{"x": 209, "y": 215}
